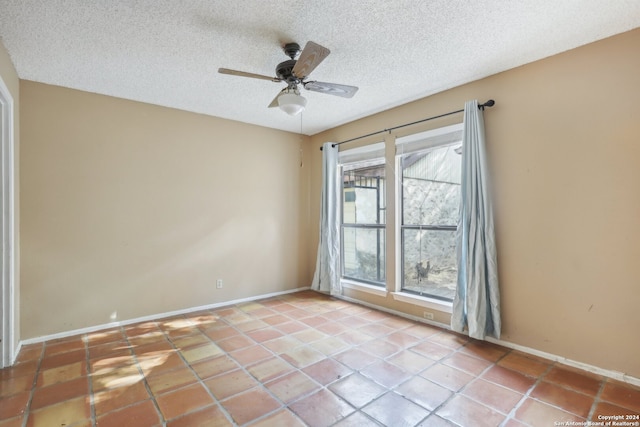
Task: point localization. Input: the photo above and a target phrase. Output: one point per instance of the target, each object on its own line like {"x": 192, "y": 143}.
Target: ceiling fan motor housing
{"x": 284, "y": 70}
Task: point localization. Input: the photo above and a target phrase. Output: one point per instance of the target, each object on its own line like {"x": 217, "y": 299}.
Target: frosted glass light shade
{"x": 292, "y": 103}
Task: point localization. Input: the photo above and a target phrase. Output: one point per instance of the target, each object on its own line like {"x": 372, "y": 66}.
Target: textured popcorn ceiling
{"x": 168, "y": 52}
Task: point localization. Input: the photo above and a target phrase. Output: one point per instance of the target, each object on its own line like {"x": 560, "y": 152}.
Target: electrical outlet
{"x": 219, "y": 284}
{"x": 428, "y": 315}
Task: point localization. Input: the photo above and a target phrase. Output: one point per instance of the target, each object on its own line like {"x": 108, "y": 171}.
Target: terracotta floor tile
{"x": 402, "y": 339}
{"x": 302, "y": 356}
{"x": 30, "y": 353}
{"x": 385, "y": 373}
{"x": 508, "y": 378}
{"x": 492, "y": 395}
{"x": 11, "y": 386}
{"x": 355, "y": 337}
{"x": 321, "y": 409}
{"x": 197, "y": 354}
{"x": 64, "y": 413}
{"x": 570, "y": 401}
{"x": 183, "y": 343}
{"x": 537, "y": 413}
{"x": 410, "y": 361}
{"x": 282, "y": 418}
{"x": 66, "y": 358}
{"x": 45, "y": 396}
{"x": 230, "y": 383}
{"x": 266, "y": 334}
{"x": 375, "y": 330}
{"x": 153, "y": 363}
{"x": 309, "y": 335}
{"x": 184, "y": 400}
{"x": 110, "y": 400}
{"x": 142, "y": 414}
{"x": 332, "y": 328}
{"x": 114, "y": 377}
{"x": 270, "y": 369}
{"x": 216, "y": 366}
{"x": 605, "y": 408}
{"x": 283, "y": 344}
{"x": 61, "y": 374}
{"x": 392, "y": 409}
{"x": 357, "y": 390}
{"x": 469, "y": 364}
{"x": 526, "y": 365}
{"x": 466, "y": 412}
{"x": 330, "y": 345}
{"x": 435, "y": 421}
{"x": 291, "y": 326}
{"x": 152, "y": 346}
{"x": 424, "y": 393}
{"x": 432, "y": 350}
{"x": 63, "y": 346}
{"x": 276, "y": 319}
{"x": 102, "y": 337}
{"x": 12, "y": 422}
{"x": 449, "y": 339}
{"x": 484, "y": 350}
{"x": 14, "y": 405}
{"x": 250, "y": 355}
{"x": 358, "y": 419}
{"x": 144, "y": 328}
{"x": 171, "y": 380}
{"x": 421, "y": 331}
{"x": 211, "y": 416}
{"x": 446, "y": 376}
{"x": 380, "y": 348}
{"x": 292, "y": 386}
{"x": 587, "y": 384}
{"x": 356, "y": 359}
{"x": 625, "y": 396}
{"x": 221, "y": 332}
{"x": 27, "y": 368}
{"x": 327, "y": 371}
{"x": 251, "y": 325}
{"x": 250, "y": 405}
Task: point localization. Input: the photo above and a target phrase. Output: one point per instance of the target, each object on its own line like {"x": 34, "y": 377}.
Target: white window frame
{"x": 370, "y": 152}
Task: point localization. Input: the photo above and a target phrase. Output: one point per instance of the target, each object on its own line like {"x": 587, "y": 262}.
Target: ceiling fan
{"x": 294, "y": 73}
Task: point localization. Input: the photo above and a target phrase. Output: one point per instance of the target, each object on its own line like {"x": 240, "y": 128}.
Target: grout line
{"x": 596, "y": 399}
{"x": 92, "y": 406}
{"x": 27, "y": 409}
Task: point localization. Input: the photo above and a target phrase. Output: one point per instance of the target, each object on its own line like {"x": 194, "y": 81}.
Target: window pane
{"x": 364, "y": 254}
{"x": 429, "y": 262}
{"x": 430, "y": 210}
{"x": 431, "y": 187}
{"x": 363, "y": 195}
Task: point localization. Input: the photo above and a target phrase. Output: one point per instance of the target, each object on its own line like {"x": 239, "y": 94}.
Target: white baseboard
{"x": 152, "y": 317}
{"x": 620, "y": 376}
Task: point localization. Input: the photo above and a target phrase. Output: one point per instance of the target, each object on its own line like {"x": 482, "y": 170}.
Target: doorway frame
{"x": 7, "y": 229}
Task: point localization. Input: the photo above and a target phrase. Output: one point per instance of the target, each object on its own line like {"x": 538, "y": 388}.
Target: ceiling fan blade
{"x": 331, "y": 89}
{"x": 245, "y": 74}
{"x": 312, "y": 55}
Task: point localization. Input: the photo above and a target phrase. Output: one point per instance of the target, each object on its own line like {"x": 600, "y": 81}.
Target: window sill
{"x": 431, "y": 303}
{"x": 362, "y": 287}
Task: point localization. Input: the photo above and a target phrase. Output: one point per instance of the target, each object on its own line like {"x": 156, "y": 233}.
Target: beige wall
{"x": 564, "y": 152}
{"x": 9, "y": 76}
{"x": 131, "y": 210}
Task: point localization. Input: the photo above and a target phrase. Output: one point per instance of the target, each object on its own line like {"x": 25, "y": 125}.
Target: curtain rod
{"x": 489, "y": 103}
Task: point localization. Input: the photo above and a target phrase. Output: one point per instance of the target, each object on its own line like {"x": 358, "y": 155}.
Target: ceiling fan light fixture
{"x": 291, "y": 102}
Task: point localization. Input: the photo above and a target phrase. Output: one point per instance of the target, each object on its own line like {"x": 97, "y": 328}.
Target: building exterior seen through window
{"x": 430, "y": 198}
{"x": 364, "y": 222}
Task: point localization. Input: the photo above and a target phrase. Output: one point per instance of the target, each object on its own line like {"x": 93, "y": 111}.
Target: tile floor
{"x": 300, "y": 359}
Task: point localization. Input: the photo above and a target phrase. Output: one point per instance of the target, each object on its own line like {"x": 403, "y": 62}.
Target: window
{"x": 429, "y": 168}
{"x": 363, "y": 239}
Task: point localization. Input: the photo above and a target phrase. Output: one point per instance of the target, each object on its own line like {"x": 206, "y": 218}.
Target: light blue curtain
{"x": 327, "y": 275}
{"x": 476, "y": 305}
